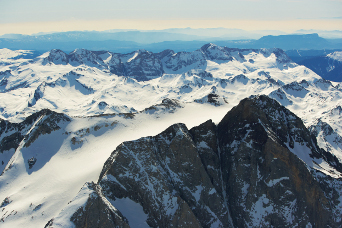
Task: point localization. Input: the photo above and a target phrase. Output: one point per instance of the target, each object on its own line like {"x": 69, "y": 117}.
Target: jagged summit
{"x": 208, "y": 46}
{"x": 245, "y": 171}
{"x": 15, "y": 136}
{"x": 57, "y": 56}
{"x": 282, "y": 126}
{"x": 144, "y": 65}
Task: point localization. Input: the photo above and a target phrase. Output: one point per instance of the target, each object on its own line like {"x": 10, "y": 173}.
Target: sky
{"x": 33, "y": 16}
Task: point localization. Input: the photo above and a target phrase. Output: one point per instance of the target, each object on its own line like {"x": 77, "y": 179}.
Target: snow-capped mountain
{"x": 329, "y": 66}
{"x": 64, "y": 114}
{"x": 62, "y": 79}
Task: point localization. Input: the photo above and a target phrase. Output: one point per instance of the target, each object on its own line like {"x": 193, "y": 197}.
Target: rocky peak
{"x": 83, "y": 56}
{"x": 259, "y": 141}
{"x": 243, "y": 172}
{"x": 15, "y": 135}
{"x": 182, "y": 60}
{"x": 140, "y": 51}
{"x": 281, "y": 55}
{"x": 209, "y": 46}
{"x": 49, "y": 121}
{"x": 171, "y": 102}
{"x": 201, "y": 73}
{"x": 167, "y": 105}
{"x": 57, "y": 56}
{"x": 96, "y": 211}
{"x": 165, "y": 54}
{"x": 271, "y": 120}
{"x": 216, "y": 53}
{"x": 140, "y": 65}
{"x": 213, "y": 99}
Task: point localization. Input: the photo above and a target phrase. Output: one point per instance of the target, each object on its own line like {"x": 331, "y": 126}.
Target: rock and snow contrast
{"x": 252, "y": 140}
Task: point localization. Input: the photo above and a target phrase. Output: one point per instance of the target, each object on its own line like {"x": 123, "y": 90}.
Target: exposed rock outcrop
{"x": 259, "y": 167}
{"x": 25, "y": 133}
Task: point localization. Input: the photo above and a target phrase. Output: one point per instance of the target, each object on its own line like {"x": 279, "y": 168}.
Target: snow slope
{"x": 74, "y": 155}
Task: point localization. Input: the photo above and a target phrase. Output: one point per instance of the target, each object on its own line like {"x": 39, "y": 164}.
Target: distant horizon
{"x": 285, "y": 26}
{"x": 310, "y": 31}
{"x": 200, "y": 32}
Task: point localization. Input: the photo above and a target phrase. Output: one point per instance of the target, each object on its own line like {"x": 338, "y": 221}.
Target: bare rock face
{"x": 98, "y": 212}
{"x": 267, "y": 183}
{"x": 95, "y": 211}
{"x": 139, "y": 65}
{"x": 259, "y": 167}
{"x": 173, "y": 186}
{"x": 12, "y": 134}
{"x": 56, "y": 56}
{"x": 144, "y": 64}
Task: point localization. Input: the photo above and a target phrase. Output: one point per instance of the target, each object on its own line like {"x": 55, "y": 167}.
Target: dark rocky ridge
{"x": 12, "y": 134}
{"x": 104, "y": 216}
{"x": 239, "y": 173}
{"x": 45, "y": 127}
{"x": 272, "y": 131}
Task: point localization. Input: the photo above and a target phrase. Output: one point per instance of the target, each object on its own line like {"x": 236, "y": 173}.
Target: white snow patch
{"x": 198, "y": 192}
{"x": 203, "y": 144}
{"x": 212, "y": 191}
{"x": 303, "y": 153}
{"x": 133, "y": 57}
{"x": 271, "y": 183}
{"x": 259, "y": 210}
{"x": 133, "y": 211}
{"x": 337, "y": 55}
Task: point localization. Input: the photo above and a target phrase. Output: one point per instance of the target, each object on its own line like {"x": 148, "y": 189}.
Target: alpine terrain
{"x": 217, "y": 137}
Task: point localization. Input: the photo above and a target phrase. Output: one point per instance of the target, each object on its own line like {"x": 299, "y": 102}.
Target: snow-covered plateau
{"x": 62, "y": 115}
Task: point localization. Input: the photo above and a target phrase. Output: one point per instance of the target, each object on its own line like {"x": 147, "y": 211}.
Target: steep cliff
{"x": 258, "y": 167}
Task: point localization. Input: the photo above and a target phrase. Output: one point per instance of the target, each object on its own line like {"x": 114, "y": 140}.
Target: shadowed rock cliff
{"x": 259, "y": 167}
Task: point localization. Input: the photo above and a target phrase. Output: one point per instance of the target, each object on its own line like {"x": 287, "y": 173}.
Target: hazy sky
{"x": 32, "y": 16}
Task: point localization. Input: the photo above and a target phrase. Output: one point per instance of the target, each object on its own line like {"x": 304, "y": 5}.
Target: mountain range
{"x": 157, "y": 41}
{"x": 215, "y": 137}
